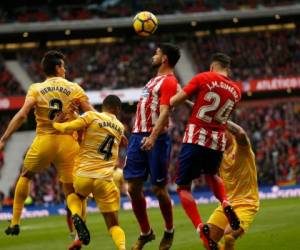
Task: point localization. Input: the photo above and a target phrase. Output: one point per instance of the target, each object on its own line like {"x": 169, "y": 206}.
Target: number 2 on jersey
{"x": 223, "y": 112}
{"x": 55, "y": 106}
{"x": 105, "y": 147}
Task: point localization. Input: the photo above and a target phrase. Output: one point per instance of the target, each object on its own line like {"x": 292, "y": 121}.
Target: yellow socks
{"x": 21, "y": 193}
{"x": 118, "y": 237}
{"x": 75, "y": 204}
{"x": 229, "y": 242}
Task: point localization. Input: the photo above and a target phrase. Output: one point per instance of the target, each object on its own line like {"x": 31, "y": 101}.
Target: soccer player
{"x": 238, "y": 171}
{"x": 54, "y": 95}
{"x": 204, "y": 139}
{"x": 149, "y": 146}
{"x": 94, "y": 167}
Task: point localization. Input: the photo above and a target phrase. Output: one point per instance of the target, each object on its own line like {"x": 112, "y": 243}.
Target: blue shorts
{"x": 195, "y": 160}
{"x": 140, "y": 163}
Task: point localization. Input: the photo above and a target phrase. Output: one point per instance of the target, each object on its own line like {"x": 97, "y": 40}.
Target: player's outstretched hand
{"x": 60, "y": 117}
{"x": 2, "y": 145}
{"x": 147, "y": 143}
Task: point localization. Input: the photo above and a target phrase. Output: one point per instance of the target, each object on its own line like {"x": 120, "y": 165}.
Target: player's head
{"x": 112, "y": 104}
{"x": 166, "y": 54}
{"x": 53, "y": 64}
{"x": 220, "y": 62}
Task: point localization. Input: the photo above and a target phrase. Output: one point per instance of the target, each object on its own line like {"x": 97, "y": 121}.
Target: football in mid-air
{"x": 145, "y": 23}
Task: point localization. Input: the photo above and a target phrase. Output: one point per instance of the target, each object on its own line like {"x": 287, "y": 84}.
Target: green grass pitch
{"x": 276, "y": 227}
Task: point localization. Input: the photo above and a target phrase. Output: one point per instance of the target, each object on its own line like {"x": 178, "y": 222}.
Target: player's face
{"x": 157, "y": 58}
{"x": 60, "y": 69}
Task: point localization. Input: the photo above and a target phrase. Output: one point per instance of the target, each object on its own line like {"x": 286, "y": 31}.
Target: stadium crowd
{"x": 109, "y": 65}
{"x": 77, "y": 10}
{"x": 126, "y": 64}
{"x": 256, "y": 54}
{"x": 9, "y": 86}
{"x": 273, "y": 131}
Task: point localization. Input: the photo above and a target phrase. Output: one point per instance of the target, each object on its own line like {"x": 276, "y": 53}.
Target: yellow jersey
{"x": 99, "y": 147}
{"x": 53, "y": 95}
{"x": 238, "y": 171}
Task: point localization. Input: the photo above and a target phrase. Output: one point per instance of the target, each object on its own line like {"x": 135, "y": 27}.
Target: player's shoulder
{"x": 35, "y": 85}
{"x": 89, "y": 114}
{"x": 70, "y": 84}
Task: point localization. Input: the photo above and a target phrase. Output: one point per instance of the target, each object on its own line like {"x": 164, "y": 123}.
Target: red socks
{"x": 190, "y": 206}
{"x": 139, "y": 209}
{"x": 217, "y": 187}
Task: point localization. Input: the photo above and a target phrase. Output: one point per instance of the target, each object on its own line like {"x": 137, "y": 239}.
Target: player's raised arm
{"x": 239, "y": 133}
{"x": 179, "y": 98}
{"x": 75, "y": 125}
{"x": 17, "y": 121}
{"x": 183, "y": 95}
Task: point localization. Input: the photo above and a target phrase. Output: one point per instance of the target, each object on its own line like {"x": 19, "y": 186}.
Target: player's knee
{"x": 134, "y": 191}
{"x": 229, "y": 240}
{"x": 160, "y": 192}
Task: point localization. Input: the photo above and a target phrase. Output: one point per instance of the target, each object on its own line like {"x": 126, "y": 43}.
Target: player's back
{"x": 53, "y": 95}
{"x": 99, "y": 148}
{"x": 216, "y": 97}
{"x": 238, "y": 171}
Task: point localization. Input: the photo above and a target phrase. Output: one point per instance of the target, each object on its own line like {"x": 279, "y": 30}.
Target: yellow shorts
{"x": 57, "y": 149}
{"x": 246, "y": 214}
{"x": 105, "y": 192}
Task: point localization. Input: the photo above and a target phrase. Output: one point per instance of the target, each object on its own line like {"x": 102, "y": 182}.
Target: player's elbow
{"x": 21, "y": 116}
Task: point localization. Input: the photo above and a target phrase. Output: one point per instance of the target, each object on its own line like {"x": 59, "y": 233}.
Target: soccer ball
{"x": 145, "y": 23}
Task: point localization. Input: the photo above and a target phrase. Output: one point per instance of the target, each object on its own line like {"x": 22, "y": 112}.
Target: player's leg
{"x": 139, "y": 207}
{"x": 246, "y": 213}
{"x": 212, "y": 162}
{"x": 107, "y": 198}
{"x": 159, "y": 158}
{"x": 76, "y": 202}
{"x": 215, "y": 227}
{"x": 36, "y": 160}
{"x": 21, "y": 193}
{"x": 69, "y": 221}
{"x": 135, "y": 171}
{"x": 185, "y": 174}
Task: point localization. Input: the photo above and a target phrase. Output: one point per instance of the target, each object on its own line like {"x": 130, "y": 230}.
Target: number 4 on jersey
{"x": 105, "y": 147}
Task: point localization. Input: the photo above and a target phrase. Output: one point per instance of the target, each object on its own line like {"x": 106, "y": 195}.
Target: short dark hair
{"x": 171, "y": 51}
{"x": 50, "y": 60}
{"x": 112, "y": 102}
{"x": 221, "y": 58}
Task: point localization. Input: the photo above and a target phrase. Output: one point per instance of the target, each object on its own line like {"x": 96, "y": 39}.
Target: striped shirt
{"x": 158, "y": 91}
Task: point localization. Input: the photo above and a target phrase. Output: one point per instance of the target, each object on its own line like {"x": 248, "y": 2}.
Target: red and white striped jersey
{"x": 216, "y": 98}
{"x": 158, "y": 91}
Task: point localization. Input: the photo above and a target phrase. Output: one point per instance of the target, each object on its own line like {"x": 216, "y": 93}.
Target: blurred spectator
{"x": 8, "y": 84}
{"x": 106, "y": 66}
{"x": 255, "y": 55}
{"x": 1, "y": 162}
{"x": 80, "y": 10}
